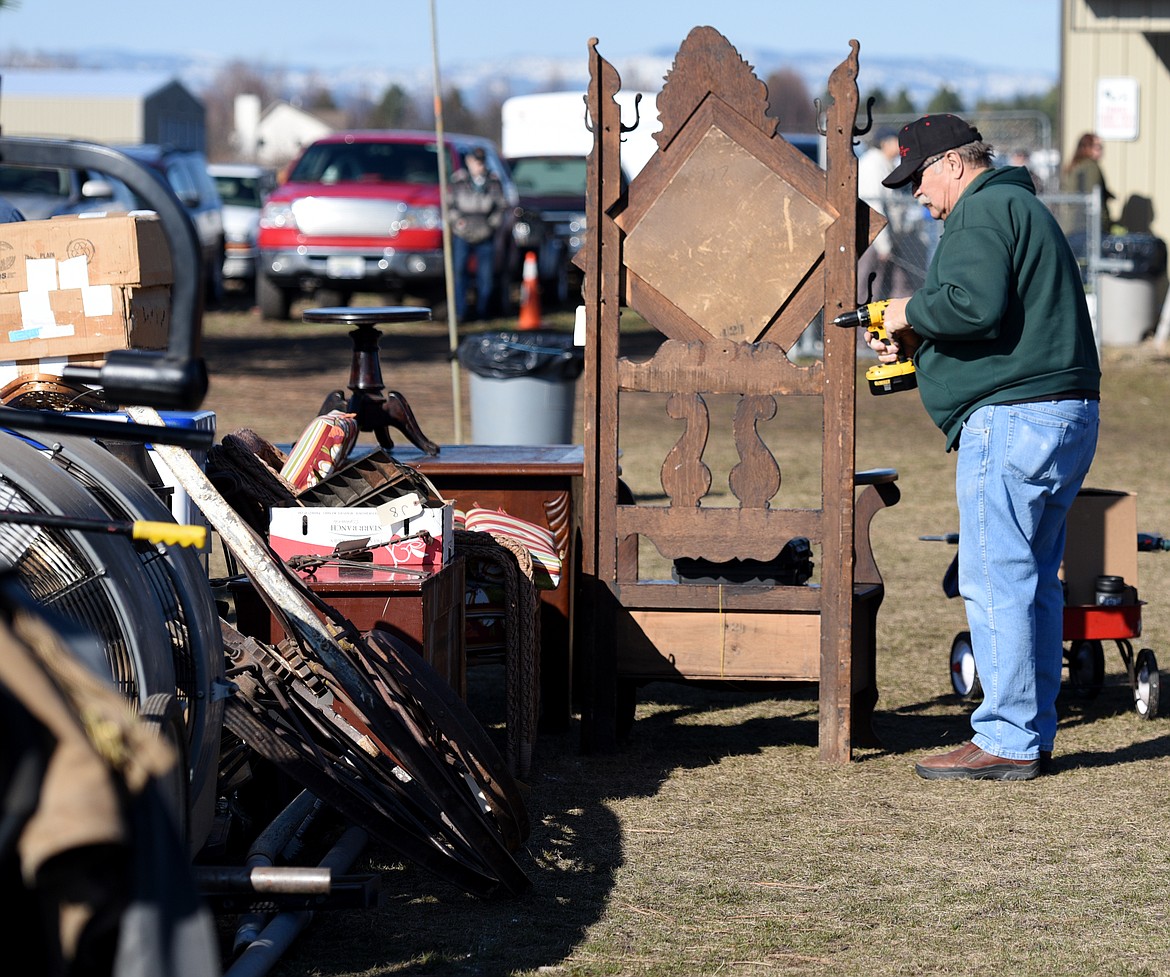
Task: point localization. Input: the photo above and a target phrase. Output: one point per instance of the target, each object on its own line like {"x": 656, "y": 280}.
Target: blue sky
{"x": 1016, "y": 34}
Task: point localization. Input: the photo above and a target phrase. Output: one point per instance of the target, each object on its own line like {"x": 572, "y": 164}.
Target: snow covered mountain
{"x": 485, "y": 80}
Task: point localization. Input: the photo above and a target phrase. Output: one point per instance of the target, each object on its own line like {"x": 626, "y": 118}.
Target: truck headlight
{"x": 278, "y": 214}
{"x": 428, "y": 218}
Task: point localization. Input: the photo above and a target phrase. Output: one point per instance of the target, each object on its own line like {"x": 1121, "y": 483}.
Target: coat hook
{"x": 822, "y": 118}
{"x": 588, "y": 121}
{"x": 637, "y": 115}
{"x": 868, "y": 117}
{"x": 870, "y": 279}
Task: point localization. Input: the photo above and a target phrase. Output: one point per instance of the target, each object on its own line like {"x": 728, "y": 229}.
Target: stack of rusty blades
{"x": 369, "y": 481}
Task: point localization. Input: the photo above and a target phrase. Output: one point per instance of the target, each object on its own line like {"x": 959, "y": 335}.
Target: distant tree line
{"x": 790, "y": 101}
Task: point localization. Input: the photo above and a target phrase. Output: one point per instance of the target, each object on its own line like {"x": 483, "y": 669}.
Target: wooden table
{"x": 540, "y": 483}
{"x": 426, "y": 609}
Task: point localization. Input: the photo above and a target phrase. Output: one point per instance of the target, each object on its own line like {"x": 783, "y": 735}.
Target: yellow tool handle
{"x": 169, "y": 533}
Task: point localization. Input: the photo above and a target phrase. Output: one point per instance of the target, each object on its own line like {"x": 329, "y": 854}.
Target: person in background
{"x": 477, "y": 209}
{"x": 875, "y": 165}
{"x": 1021, "y": 157}
{"x": 1083, "y": 174}
{"x": 1007, "y": 365}
{"x": 8, "y": 213}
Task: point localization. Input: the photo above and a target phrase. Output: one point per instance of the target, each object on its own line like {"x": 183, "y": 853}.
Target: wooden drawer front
{"x": 713, "y": 644}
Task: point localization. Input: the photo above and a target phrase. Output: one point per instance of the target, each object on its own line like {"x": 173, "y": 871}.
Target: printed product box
{"x": 1101, "y": 539}
{"x": 316, "y": 530}
{"x": 75, "y": 286}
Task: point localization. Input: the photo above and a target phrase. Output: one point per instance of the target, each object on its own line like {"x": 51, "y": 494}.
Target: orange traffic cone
{"x": 530, "y": 295}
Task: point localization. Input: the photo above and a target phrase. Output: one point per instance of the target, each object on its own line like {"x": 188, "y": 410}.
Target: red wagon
{"x": 1086, "y": 629}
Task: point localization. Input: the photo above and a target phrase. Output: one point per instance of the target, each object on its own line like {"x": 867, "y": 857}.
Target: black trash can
{"x": 1127, "y": 292}
{"x": 522, "y": 385}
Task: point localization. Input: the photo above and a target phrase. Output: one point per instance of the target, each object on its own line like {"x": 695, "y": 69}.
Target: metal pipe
{"x": 266, "y": 848}
{"x": 266, "y": 880}
{"x": 263, "y": 953}
{"x": 264, "y": 852}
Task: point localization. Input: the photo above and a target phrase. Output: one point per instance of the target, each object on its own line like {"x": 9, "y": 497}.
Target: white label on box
{"x": 400, "y": 509}
{"x": 97, "y": 300}
{"x": 35, "y": 314}
{"x": 40, "y": 274}
{"x": 74, "y": 272}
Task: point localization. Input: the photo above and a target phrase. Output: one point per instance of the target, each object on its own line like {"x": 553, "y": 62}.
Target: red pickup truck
{"x": 360, "y": 212}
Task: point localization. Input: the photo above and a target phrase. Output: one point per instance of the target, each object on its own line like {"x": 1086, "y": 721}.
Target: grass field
{"x": 715, "y": 842}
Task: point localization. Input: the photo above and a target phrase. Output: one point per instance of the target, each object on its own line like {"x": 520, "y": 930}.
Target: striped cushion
{"x": 546, "y": 561}
{"x": 321, "y": 448}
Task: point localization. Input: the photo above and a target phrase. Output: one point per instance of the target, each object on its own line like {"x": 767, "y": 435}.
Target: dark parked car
{"x": 40, "y": 192}
{"x": 186, "y": 173}
{"x": 550, "y": 220}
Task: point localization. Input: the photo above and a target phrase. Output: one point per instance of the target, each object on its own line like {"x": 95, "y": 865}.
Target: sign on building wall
{"x": 1117, "y": 108}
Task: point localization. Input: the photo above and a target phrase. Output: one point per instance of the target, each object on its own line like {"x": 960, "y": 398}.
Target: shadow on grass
{"x": 426, "y": 927}
{"x": 576, "y": 847}
{"x": 943, "y": 722}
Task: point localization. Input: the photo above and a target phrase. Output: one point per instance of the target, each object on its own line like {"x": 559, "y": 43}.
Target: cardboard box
{"x": 76, "y": 286}
{"x": 107, "y": 249}
{"x": 317, "y": 530}
{"x": 53, "y": 366}
{"x": 1101, "y": 539}
{"x": 78, "y": 322}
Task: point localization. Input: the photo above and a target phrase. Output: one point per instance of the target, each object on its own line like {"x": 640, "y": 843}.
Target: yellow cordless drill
{"x": 885, "y": 378}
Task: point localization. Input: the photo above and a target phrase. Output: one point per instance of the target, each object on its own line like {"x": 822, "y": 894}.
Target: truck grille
{"x": 347, "y": 216}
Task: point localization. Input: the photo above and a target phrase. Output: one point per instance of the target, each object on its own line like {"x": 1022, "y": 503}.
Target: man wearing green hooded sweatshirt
{"x": 1007, "y": 367}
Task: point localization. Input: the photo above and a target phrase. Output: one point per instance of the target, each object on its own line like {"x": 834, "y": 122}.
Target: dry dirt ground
{"x": 715, "y": 841}
{"x": 273, "y": 377}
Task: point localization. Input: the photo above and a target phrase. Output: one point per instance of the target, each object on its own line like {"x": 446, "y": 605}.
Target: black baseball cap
{"x": 926, "y": 137}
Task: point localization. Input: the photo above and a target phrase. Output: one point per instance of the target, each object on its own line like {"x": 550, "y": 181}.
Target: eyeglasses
{"x": 916, "y": 179}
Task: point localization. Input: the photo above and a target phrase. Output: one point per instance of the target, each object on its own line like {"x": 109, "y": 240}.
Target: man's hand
{"x": 903, "y": 340}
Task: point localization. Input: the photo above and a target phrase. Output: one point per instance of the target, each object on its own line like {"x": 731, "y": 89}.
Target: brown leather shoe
{"x": 968, "y": 762}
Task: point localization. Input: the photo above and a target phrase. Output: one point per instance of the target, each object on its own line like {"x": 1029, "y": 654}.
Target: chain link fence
{"x": 1019, "y": 138}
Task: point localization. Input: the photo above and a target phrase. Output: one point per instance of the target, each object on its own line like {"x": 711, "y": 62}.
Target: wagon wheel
{"x": 964, "y": 678}
{"x": 351, "y": 796}
{"x": 1086, "y": 668}
{"x": 452, "y": 729}
{"x": 378, "y": 763}
{"x": 1145, "y": 684}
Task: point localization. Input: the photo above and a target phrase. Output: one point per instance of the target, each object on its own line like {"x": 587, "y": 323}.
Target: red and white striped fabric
{"x": 546, "y": 561}
{"x": 323, "y": 445}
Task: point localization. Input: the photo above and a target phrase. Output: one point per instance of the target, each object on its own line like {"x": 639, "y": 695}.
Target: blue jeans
{"x": 1020, "y": 466}
{"x": 484, "y": 253}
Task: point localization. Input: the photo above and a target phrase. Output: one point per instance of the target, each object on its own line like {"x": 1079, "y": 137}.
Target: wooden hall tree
{"x": 729, "y": 242}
